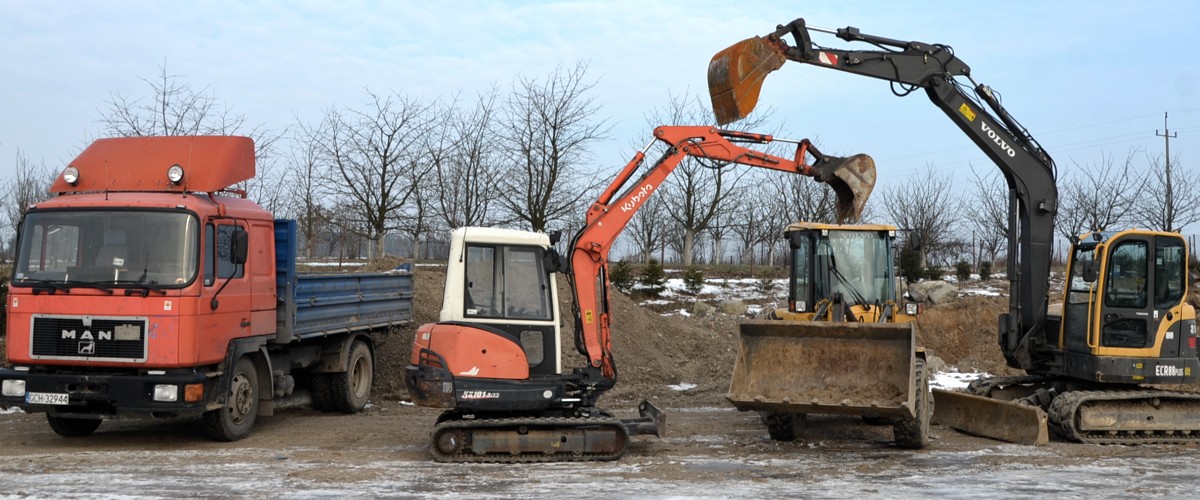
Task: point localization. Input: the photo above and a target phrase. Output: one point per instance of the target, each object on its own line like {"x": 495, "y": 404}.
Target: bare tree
{"x": 549, "y": 125}
{"x": 377, "y": 161}
{"x": 305, "y": 203}
{"x": 647, "y": 230}
{"x": 1098, "y": 197}
{"x": 755, "y": 222}
{"x": 29, "y": 184}
{"x": 988, "y": 213}
{"x": 173, "y": 108}
{"x": 467, "y": 164}
{"x": 1170, "y": 199}
{"x": 927, "y": 209}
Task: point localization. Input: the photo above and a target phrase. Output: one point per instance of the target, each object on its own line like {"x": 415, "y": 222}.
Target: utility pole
{"x": 1170, "y": 205}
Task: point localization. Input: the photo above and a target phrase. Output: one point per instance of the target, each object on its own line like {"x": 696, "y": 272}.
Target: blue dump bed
{"x": 316, "y": 305}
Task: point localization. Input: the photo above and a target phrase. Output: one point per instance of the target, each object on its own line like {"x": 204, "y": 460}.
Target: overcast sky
{"x": 1087, "y": 78}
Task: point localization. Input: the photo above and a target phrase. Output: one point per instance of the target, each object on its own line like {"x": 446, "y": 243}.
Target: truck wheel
{"x": 72, "y": 427}
{"x": 913, "y": 433}
{"x": 234, "y": 421}
{"x": 783, "y": 426}
{"x": 321, "y": 385}
{"x": 352, "y": 387}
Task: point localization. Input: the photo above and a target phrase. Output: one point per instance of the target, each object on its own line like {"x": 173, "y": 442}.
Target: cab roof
{"x": 802, "y": 226}
{"x": 139, "y": 164}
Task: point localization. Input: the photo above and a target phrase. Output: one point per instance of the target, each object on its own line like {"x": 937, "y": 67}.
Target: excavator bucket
{"x": 852, "y": 179}
{"x": 821, "y": 367}
{"x": 735, "y": 76}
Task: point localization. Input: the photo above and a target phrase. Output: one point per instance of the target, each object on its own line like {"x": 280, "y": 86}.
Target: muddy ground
{"x": 711, "y": 450}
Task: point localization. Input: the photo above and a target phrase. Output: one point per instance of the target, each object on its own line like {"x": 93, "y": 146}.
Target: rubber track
{"x": 466, "y": 456}
{"x": 1064, "y": 409}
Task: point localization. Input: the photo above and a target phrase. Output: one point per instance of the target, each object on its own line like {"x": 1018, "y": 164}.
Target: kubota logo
{"x": 637, "y": 198}
{"x": 996, "y": 138}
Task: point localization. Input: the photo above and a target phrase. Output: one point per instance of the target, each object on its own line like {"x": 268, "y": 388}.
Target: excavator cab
{"x": 1124, "y": 316}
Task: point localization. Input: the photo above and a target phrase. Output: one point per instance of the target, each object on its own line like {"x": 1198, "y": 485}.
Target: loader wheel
{"x": 913, "y": 433}
{"x": 72, "y": 427}
{"x": 234, "y": 421}
{"x": 783, "y": 426}
{"x": 352, "y": 387}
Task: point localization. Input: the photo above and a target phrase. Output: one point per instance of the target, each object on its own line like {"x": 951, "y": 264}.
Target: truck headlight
{"x": 14, "y": 388}
{"x": 166, "y": 392}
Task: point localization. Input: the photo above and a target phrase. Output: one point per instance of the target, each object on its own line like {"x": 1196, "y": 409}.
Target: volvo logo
{"x": 996, "y": 139}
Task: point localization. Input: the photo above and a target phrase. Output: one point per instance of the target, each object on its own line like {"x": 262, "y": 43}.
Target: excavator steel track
{"x": 530, "y": 440}
{"x": 1146, "y": 416}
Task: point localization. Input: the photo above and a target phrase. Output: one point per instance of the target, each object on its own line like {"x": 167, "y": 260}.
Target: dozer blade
{"x": 822, "y": 367}
{"x": 852, "y": 179}
{"x": 990, "y": 418}
{"x": 735, "y": 76}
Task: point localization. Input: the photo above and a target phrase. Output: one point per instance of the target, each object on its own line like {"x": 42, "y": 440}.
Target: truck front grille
{"x": 89, "y": 337}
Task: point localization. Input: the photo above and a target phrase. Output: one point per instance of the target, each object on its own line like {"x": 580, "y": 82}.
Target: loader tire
{"x": 783, "y": 426}
{"x": 913, "y": 433}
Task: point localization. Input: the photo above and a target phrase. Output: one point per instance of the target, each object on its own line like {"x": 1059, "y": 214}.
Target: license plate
{"x": 47, "y": 398}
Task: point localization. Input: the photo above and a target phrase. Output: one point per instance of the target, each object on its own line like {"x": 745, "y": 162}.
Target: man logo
{"x": 87, "y": 347}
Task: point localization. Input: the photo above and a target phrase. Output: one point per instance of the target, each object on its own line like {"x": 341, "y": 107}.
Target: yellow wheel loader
{"x": 843, "y": 345}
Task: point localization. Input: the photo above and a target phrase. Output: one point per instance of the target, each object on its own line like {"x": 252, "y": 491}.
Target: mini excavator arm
{"x": 852, "y": 179}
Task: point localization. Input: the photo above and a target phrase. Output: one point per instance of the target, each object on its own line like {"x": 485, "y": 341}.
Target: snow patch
{"x": 681, "y": 387}
{"x": 954, "y": 380}
{"x": 11, "y": 411}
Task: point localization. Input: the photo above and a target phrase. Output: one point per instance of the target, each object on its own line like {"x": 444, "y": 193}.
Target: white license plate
{"x": 47, "y": 398}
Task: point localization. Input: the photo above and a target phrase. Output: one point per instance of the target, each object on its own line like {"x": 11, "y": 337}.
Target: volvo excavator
{"x": 492, "y": 361}
{"x": 1124, "y": 326}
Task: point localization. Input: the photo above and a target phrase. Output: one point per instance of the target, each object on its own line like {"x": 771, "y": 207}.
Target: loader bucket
{"x": 852, "y": 179}
{"x": 822, "y": 367}
{"x": 735, "y": 76}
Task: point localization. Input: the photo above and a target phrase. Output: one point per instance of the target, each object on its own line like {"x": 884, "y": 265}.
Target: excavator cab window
{"x": 507, "y": 281}
{"x": 1124, "y": 316}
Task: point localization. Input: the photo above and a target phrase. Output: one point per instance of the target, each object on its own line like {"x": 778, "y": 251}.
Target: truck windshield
{"x": 108, "y": 248}
{"x": 857, "y": 264}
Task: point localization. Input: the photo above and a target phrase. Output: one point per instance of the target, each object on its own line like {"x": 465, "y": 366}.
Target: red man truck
{"x": 149, "y": 287}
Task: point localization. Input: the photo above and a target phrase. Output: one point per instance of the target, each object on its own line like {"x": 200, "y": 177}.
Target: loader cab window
{"x": 801, "y": 257}
{"x": 507, "y": 282}
{"x": 856, "y": 264}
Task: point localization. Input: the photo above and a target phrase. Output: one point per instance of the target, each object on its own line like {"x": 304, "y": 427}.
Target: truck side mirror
{"x": 1089, "y": 269}
{"x": 552, "y": 261}
{"x": 240, "y": 249}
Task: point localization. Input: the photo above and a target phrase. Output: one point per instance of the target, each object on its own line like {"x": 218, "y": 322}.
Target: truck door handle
{"x": 245, "y": 322}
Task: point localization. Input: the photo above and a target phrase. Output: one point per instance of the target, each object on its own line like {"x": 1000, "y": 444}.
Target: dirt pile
{"x": 653, "y": 351}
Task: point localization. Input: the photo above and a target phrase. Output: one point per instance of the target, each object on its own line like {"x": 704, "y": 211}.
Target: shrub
{"x": 765, "y": 283}
{"x": 653, "y": 279}
{"x": 962, "y": 271}
{"x": 693, "y": 280}
{"x": 933, "y": 273}
{"x": 985, "y": 270}
{"x": 620, "y": 275}
{"x": 910, "y": 265}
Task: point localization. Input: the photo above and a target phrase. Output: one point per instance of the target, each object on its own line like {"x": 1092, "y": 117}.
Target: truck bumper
{"x": 104, "y": 395}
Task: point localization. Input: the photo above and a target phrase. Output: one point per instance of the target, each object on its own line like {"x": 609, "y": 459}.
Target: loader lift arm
{"x": 852, "y": 179}
{"x": 735, "y": 76}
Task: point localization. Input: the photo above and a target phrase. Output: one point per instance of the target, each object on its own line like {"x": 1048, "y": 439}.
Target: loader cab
{"x": 503, "y": 282}
{"x": 852, "y": 264}
{"x": 1126, "y": 307}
